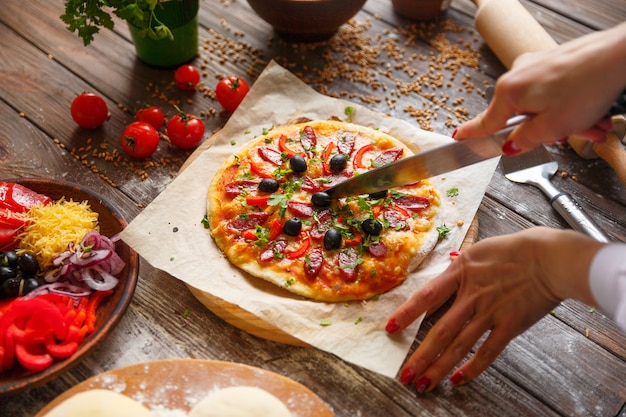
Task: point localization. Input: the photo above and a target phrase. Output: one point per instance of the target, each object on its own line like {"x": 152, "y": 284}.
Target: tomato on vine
{"x": 139, "y": 139}
{"x": 152, "y": 115}
{"x": 230, "y": 91}
{"x": 187, "y": 77}
{"x": 185, "y": 130}
{"x": 89, "y": 110}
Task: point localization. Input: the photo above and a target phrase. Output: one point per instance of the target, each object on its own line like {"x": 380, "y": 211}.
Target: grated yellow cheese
{"x": 51, "y": 228}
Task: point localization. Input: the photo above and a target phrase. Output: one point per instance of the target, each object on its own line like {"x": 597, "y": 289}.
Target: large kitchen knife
{"x": 427, "y": 164}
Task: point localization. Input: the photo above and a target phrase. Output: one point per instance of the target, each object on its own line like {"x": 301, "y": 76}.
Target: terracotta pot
{"x": 181, "y": 16}
{"x": 420, "y": 9}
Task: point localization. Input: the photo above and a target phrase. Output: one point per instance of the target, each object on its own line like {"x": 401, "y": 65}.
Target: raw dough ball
{"x": 240, "y": 401}
{"x": 99, "y": 403}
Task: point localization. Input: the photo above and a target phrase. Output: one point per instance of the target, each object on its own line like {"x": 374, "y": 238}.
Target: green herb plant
{"x": 86, "y": 17}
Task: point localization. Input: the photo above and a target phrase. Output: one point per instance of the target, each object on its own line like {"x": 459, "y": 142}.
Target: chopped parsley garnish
{"x": 358, "y": 320}
{"x": 443, "y": 231}
{"x": 205, "y": 221}
{"x": 325, "y": 322}
{"x": 452, "y": 192}
{"x": 289, "y": 282}
{"x": 349, "y": 111}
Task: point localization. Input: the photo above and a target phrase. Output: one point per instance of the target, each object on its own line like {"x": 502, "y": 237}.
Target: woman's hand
{"x": 567, "y": 90}
{"x": 503, "y": 286}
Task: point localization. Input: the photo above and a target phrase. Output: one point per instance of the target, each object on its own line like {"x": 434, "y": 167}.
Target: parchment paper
{"x": 170, "y": 236}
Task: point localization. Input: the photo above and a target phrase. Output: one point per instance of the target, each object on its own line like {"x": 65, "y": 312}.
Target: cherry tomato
{"x": 185, "y": 130}
{"x": 89, "y": 110}
{"x": 140, "y": 139}
{"x": 230, "y": 91}
{"x": 187, "y": 77}
{"x": 152, "y": 115}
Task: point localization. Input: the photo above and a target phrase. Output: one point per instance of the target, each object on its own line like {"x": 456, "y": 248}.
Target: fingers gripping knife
{"x": 537, "y": 168}
{"x": 510, "y": 30}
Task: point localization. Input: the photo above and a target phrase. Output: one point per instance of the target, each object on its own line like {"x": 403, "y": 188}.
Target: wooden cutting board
{"x": 176, "y": 385}
{"x": 248, "y": 322}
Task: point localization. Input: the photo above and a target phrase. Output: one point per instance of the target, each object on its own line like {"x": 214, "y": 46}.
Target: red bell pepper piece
{"x": 33, "y": 357}
{"x": 94, "y": 301}
{"x": 275, "y": 229}
{"x": 257, "y": 200}
{"x": 61, "y": 350}
{"x": 305, "y": 243}
{"x": 9, "y": 219}
{"x": 358, "y": 157}
{"x": 328, "y": 150}
{"x": 257, "y": 170}
{"x": 250, "y": 235}
{"x": 282, "y": 146}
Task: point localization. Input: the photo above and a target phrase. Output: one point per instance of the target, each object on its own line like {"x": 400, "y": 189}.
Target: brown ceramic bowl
{"x": 112, "y": 307}
{"x": 420, "y": 9}
{"x": 306, "y": 20}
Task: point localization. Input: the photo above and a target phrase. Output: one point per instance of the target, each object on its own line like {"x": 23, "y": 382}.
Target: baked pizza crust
{"x": 406, "y": 249}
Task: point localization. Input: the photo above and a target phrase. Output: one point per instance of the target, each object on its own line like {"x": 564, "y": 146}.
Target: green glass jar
{"x": 181, "y": 16}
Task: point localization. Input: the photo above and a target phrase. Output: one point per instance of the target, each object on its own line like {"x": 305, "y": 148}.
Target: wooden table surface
{"x": 571, "y": 363}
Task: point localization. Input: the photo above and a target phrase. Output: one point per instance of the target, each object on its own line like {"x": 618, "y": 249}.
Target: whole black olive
{"x": 11, "y": 288}
{"x": 320, "y": 199}
{"x": 297, "y": 163}
{"x": 268, "y": 185}
{"x": 28, "y": 264}
{"x": 292, "y": 226}
{"x": 30, "y": 284}
{"x": 332, "y": 239}
{"x": 338, "y": 162}
{"x": 371, "y": 227}
{"x": 378, "y": 195}
{"x": 9, "y": 258}
{"x": 7, "y": 273}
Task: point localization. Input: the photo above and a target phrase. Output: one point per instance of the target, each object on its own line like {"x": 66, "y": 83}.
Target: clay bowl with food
{"x": 421, "y": 9}
{"x": 110, "y": 310}
{"x": 306, "y": 20}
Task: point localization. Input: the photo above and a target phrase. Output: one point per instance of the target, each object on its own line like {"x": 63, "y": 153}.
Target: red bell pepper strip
{"x": 257, "y": 170}
{"x": 94, "y": 301}
{"x": 257, "y": 200}
{"x": 305, "y": 243}
{"x": 275, "y": 229}
{"x": 250, "y": 235}
{"x": 328, "y": 150}
{"x": 33, "y": 357}
{"x": 61, "y": 350}
{"x": 358, "y": 157}
{"x": 282, "y": 146}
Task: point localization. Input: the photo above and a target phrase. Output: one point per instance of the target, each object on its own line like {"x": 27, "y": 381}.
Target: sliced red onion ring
{"x": 93, "y": 262}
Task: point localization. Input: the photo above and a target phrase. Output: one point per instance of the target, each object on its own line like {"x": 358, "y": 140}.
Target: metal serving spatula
{"x": 536, "y": 168}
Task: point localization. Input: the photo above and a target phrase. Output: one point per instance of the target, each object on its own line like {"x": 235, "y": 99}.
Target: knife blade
{"x": 427, "y": 164}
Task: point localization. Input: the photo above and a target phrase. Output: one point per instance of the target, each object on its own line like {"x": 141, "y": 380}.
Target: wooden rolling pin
{"x": 509, "y": 30}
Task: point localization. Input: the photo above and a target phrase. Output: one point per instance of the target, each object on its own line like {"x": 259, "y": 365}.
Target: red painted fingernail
{"x": 457, "y": 378}
{"x": 392, "y": 326}
{"x": 407, "y": 376}
{"x": 561, "y": 141}
{"x": 422, "y": 384}
{"x": 454, "y": 133}
{"x": 510, "y": 149}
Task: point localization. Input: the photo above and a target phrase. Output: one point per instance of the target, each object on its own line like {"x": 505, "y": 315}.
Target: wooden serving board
{"x": 248, "y": 322}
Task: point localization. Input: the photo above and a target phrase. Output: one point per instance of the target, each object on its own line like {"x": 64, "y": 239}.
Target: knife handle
{"x": 576, "y": 217}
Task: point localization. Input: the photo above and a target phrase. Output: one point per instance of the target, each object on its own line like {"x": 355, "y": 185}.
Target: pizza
{"x": 268, "y": 214}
